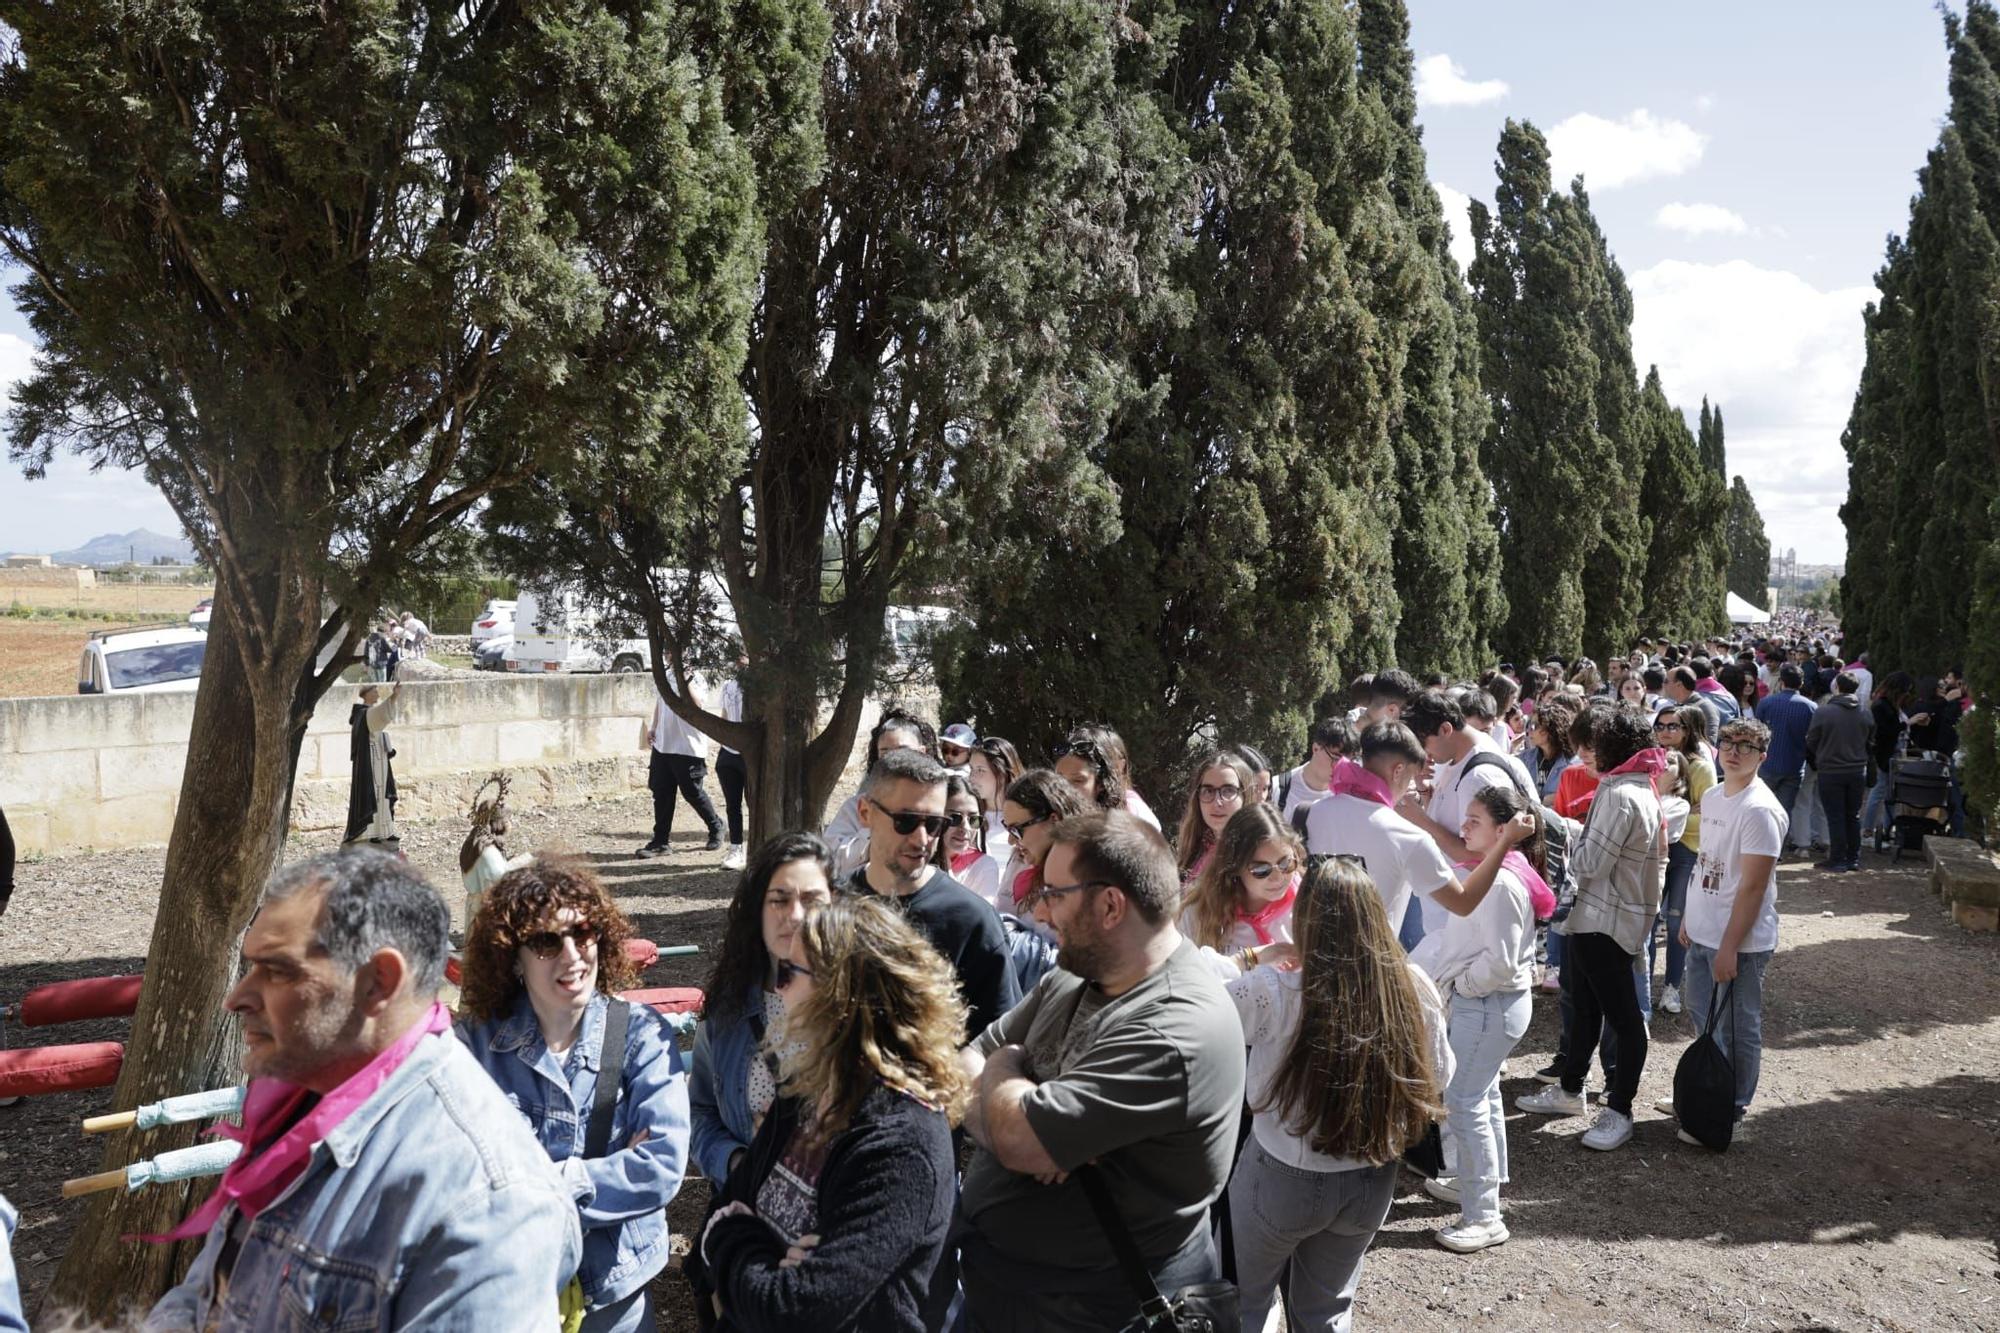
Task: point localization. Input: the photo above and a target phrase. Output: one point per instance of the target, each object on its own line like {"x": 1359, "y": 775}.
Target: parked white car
{"x": 151, "y": 659}
{"x": 203, "y": 611}
{"x": 493, "y": 622}
{"x": 560, "y": 631}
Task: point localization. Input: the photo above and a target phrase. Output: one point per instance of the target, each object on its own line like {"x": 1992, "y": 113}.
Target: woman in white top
{"x": 994, "y": 764}
{"x": 1241, "y": 903}
{"x": 1484, "y": 963}
{"x": 1346, "y": 1059}
{"x": 961, "y": 852}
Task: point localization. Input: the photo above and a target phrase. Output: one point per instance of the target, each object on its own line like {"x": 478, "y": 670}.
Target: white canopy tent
{"x": 1743, "y": 613}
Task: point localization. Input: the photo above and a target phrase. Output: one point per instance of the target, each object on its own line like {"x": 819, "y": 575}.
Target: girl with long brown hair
{"x": 1347, "y": 1057}
{"x": 837, "y": 1215}
{"x": 1242, "y": 903}
{"x": 1222, "y": 784}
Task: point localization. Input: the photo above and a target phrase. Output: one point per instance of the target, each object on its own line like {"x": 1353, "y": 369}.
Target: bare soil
{"x": 1862, "y": 1194}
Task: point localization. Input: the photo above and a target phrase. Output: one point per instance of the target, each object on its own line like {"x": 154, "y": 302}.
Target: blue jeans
{"x": 1808, "y": 816}
{"x": 1740, "y": 1030}
{"x": 1317, "y": 1224}
{"x": 1876, "y": 816}
{"x": 1483, "y": 1031}
{"x": 1680, "y": 870}
{"x": 1411, "y": 933}
{"x": 1786, "y": 789}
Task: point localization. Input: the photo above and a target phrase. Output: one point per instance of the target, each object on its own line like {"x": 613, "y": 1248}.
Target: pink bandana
{"x": 1026, "y": 883}
{"x": 1540, "y": 896}
{"x": 960, "y": 860}
{"x": 1260, "y": 920}
{"x": 252, "y": 1182}
{"x": 1352, "y": 779}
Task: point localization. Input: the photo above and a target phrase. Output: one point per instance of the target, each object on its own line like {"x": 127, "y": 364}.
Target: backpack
{"x": 1555, "y": 833}
{"x": 1030, "y": 953}
{"x": 1705, "y": 1081}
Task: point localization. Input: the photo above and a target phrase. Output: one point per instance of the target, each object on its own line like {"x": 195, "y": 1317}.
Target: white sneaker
{"x": 1670, "y": 999}
{"x": 1664, "y": 1105}
{"x": 1466, "y": 1238}
{"x": 1612, "y": 1130}
{"x": 1686, "y": 1137}
{"x": 1442, "y": 1188}
{"x": 738, "y": 856}
{"x": 1552, "y": 1101}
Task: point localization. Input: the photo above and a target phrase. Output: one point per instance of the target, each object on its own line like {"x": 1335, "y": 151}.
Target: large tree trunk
{"x": 228, "y": 833}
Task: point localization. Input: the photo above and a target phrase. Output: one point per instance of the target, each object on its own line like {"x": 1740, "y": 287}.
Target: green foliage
{"x": 1688, "y": 503}
{"x": 1749, "y": 549}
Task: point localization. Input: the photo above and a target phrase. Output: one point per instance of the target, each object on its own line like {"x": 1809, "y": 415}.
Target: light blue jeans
{"x": 1483, "y": 1030}
{"x": 1876, "y": 817}
{"x": 1320, "y": 1223}
{"x": 1740, "y": 1029}
{"x": 1808, "y": 819}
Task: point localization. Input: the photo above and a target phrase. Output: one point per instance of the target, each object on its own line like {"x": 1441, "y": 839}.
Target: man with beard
{"x": 902, "y": 808}
{"x": 1127, "y": 1063}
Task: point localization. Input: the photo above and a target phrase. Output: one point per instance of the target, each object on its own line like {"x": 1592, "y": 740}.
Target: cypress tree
{"x": 1532, "y": 285}
{"x": 1688, "y": 503}
{"x": 1749, "y": 549}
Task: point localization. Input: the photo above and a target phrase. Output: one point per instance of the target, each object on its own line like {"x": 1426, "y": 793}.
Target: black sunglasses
{"x": 1018, "y": 829}
{"x": 546, "y": 944}
{"x": 905, "y": 823}
{"x": 1314, "y": 861}
{"x": 1081, "y": 749}
{"x": 787, "y": 969}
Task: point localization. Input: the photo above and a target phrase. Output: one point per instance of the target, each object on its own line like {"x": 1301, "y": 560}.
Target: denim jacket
{"x": 622, "y": 1197}
{"x": 427, "y": 1208}
{"x": 719, "y": 1085}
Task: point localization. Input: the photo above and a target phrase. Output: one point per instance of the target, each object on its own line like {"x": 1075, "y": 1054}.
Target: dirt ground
{"x": 1861, "y": 1195}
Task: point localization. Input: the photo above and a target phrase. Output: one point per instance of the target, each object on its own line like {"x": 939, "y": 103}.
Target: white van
{"x": 560, "y": 631}
{"x": 150, "y": 659}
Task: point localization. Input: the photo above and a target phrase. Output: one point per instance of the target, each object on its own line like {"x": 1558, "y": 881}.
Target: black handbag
{"x": 1705, "y": 1081}
{"x": 1206, "y": 1307}
{"x": 1426, "y": 1155}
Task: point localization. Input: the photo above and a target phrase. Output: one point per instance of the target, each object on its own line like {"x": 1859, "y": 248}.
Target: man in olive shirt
{"x": 1128, "y": 1061}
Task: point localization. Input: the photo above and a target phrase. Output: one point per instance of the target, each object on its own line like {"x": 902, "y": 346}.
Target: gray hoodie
{"x": 1840, "y": 736}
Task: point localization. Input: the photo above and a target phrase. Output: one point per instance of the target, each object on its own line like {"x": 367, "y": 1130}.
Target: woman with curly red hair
{"x": 543, "y": 960}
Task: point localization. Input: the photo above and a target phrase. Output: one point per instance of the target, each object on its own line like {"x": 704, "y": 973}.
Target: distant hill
{"x": 139, "y": 545}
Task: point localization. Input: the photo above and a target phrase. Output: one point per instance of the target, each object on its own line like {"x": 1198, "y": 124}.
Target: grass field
{"x": 142, "y": 601}
{"x": 42, "y": 630}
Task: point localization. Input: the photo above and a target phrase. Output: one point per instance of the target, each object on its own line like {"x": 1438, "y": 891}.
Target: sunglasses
{"x": 546, "y": 944}
{"x": 1667, "y": 726}
{"x": 1016, "y": 830}
{"x": 1062, "y": 891}
{"x": 1222, "y": 795}
{"x": 1081, "y": 749}
{"x": 1317, "y": 859}
{"x": 787, "y": 969}
{"x": 961, "y": 819}
{"x": 906, "y": 822}
{"x": 1266, "y": 869}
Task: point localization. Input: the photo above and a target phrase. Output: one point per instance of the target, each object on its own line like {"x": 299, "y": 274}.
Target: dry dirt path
{"x": 1862, "y": 1196}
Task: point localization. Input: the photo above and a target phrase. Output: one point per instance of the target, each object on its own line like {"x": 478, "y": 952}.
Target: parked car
{"x": 562, "y": 631}
{"x": 149, "y": 659}
{"x": 491, "y": 654}
{"x": 203, "y": 609}
{"x": 495, "y": 621}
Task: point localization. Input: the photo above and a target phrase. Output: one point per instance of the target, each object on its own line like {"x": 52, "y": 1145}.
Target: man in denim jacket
{"x": 418, "y": 1198}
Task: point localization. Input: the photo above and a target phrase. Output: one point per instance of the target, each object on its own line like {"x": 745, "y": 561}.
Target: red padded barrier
{"x": 667, "y": 999}
{"x": 75, "y": 1001}
{"x": 45, "y": 1069}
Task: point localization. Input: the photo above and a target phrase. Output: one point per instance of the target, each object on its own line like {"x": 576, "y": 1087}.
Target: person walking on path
{"x": 678, "y": 762}
{"x": 1788, "y": 714}
{"x": 1838, "y": 745}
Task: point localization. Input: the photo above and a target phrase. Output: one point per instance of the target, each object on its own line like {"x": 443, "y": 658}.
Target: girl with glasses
{"x": 836, "y": 1216}
{"x": 1036, "y": 801}
{"x": 544, "y": 958}
{"x": 1239, "y": 909}
{"x": 734, "y": 1076}
{"x": 961, "y": 851}
{"x": 1222, "y": 784}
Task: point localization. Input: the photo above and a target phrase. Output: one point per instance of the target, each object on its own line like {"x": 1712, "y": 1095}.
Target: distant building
{"x": 30, "y": 562}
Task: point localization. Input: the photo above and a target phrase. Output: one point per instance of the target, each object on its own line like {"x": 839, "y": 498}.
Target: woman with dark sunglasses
{"x": 961, "y": 852}
{"x": 1095, "y": 761}
{"x": 1036, "y": 802}
{"x": 1239, "y": 909}
{"x": 543, "y": 960}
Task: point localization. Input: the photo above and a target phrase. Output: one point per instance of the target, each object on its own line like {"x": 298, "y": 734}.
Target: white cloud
{"x": 1702, "y": 220}
{"x": 1611, "y": 153}
{"x": 1441, "y": 81}
{"x": 1457, "y": 212}
{"x": 1705, "y": 102}
{"x": 1782, "y": 359}
{"x": 16, "y": 358}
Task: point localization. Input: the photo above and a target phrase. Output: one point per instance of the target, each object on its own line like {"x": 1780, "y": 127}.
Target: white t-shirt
{"x": 1492, "y": 951}
{"x": 1399, "y": 856}
{"x": 1867, "y": 679}
{"x": 671, "y": 735}
{"x": 1450, "y": 797}
{"x": 1302, "y": 793}
{"x": 1751, "y": 823}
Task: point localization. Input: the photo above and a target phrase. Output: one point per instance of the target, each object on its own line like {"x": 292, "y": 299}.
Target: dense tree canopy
{"x": 1749, "y": 548}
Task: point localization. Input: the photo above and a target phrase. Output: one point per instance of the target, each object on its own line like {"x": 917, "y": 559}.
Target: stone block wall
{"x": 92, "y": 771}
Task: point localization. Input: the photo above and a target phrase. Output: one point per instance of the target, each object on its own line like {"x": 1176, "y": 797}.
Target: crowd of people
{"x": 993, "y": 1052}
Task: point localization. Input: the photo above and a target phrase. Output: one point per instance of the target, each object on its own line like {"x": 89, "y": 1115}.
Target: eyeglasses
{"x": 546, "y": 944}
{"x": 1016, "y": 830}
{"x": 1266, "y": 869}
{"x": 787, "y": 969}
{"x": 905, "y": 822}
{"x": 1665, "y": 727}
{"x": 1063, "y": 891}
{"x": 1222, "y": 795}
{"x": 1740, "y": 747}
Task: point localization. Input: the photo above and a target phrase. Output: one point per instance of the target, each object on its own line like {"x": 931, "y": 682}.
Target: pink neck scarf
{"x": 252, "y": 1182}
{"x": 1351, "y": 779}
{"x": 1025, "y": 883}
{"x": 1540, "y": 895}
{"x": 960, "y": 860}
{"x": 1260, "y": 920}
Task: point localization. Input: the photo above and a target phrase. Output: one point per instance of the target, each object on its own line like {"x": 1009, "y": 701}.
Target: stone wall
{"x": 90, "y": 771}
{"x": 43, "y": 576}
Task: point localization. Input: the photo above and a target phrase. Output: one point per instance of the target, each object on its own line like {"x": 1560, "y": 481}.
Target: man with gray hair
{"x": 902, "y": 808}
{"x": 385, "y": 1182}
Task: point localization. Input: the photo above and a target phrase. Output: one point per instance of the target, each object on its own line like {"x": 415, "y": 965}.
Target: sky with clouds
{"x": 1746, "y": 162}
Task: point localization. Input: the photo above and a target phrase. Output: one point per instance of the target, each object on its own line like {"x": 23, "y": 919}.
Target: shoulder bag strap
{"x": 610, "y": 1073}
{"x": 1152, "y": 1304}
